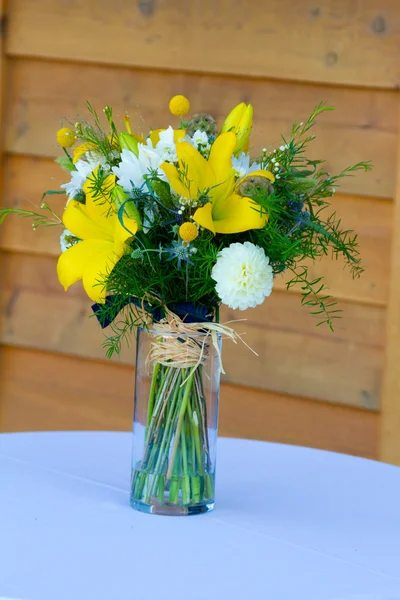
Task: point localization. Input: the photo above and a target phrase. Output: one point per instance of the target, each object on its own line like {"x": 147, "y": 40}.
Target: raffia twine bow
{"x": 188, "y": 346}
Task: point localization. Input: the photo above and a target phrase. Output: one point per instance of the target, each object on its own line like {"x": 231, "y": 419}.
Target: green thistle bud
{"x": 304, "y": 185}
{"x": 202, "y": 121}
{"x": 137, "y": 254}
{"x": 128, "y": 142}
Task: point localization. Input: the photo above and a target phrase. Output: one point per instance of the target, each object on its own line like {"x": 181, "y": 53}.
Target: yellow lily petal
{"x": 179, "y": 134}
{"x": 220, "y": 159}
{"x": 235, "y": 214}
{"x": 155, "y": 135}
{"x": 80, "y": 150}
{"x": 197, "y": 170}
{"x": 73, "y": 262}
{"x": 233, "y": 119}
{"x": 259, "y": 173}
{"x": 244, "y": 130}
{"x": 99, "y": 204}
{"x": 77, "y": 220}
{"x": 254, "y": 175}
{"x": 121, "y": 235}
{"x": 139, "y": 137}
{"x": 174, "y": 180}
{"x": 96, "y": 273}
{"x": 203, "y": 216}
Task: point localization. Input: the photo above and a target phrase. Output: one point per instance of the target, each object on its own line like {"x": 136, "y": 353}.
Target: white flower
{"x": 78, "y": 177}
{"x": 243, "y": 274}
{"x": 242, "y": 167}
{"x": 165, "y": 147}
{"x": 199, "y": 140}
{"x": 133, "y": 170}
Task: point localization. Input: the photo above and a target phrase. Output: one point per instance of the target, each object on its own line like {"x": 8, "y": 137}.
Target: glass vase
{"x": 175, "y": 422}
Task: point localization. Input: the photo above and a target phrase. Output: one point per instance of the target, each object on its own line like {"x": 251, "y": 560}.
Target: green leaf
{"x": 66, "y": 163}
{"x": 53, "y": 193}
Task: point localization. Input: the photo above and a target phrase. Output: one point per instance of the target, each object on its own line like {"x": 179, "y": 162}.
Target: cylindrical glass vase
{"x": 175, "y": 422}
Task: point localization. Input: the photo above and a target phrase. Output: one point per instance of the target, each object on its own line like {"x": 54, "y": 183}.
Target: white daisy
{"x": 243, "y": 274}
{"x": 133, "y": 170}
{"x": 165, "y": 147}
{"x": 78, "y": 177}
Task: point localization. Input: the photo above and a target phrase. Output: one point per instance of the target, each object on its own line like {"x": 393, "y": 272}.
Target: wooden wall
{"x": 308, "y": 386}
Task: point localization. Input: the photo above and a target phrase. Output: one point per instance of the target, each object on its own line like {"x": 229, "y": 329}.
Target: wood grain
{"x": 343, "y": 42}
{"x": 363, "y": 126}
{"x": 390, "y": 430}
{"x": 295, "y": 357}
{"x": 43, "y": 391}
{"x": 27, "y": 178}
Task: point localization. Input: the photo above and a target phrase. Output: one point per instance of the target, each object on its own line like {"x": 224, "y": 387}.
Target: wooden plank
{"x": 390, "y": 430}
{"x": 295, "y": 357}
{"x": 338, "y": 42}
{"x": 363, "y": 126}
{"x": 27, "y": 178}
{"x": 42, "y": 391}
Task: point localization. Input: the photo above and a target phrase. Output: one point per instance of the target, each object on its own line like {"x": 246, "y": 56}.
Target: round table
{"x": 289, "y": 524}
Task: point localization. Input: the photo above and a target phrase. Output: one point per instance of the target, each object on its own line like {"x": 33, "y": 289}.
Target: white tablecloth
{"x": 290, "y": 524}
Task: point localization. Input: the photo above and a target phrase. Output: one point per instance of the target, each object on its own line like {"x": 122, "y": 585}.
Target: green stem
{"x": 185, "y": 478}
{"x": 194, "y": 422}
{"x": 186, "y": 394}
{"x": 154, "y": 429}
{"x": 175, "y": 483}
{"x": 152, "y": 392}
{"x": 168, "y": 431}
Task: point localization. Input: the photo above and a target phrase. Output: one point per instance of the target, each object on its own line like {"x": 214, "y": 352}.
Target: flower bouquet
{"x": 162, "y": 229}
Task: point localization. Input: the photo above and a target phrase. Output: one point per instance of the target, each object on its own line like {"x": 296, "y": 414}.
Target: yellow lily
{"x": 82, "y": 149}
{"x": 240, "y": 122}
{"x": 226, "y": 211}
{"x": 103, "y": 240}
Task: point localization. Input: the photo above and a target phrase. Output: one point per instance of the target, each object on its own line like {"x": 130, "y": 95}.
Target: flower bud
{"x": 130, "y": 208}
{"x": 128, "y": 142}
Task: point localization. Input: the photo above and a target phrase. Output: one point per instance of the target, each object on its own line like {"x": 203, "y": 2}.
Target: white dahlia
{"x": 243, "y": 274}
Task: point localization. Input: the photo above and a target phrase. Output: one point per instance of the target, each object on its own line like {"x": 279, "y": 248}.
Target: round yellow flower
{"x": 66, "y": 137}
{"x": 188, "y": 232}
{"x": 179, "y": 106}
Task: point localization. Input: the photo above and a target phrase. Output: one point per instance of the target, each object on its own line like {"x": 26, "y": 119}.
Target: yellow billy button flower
{"x": 188, "y": 232}
{"x": 227, "y": 211}
{"x": 66, "y": 137}
{"x": 103, "y": 238}
{"x": 179, "y": 106}
{"x": 240, "y": 121}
